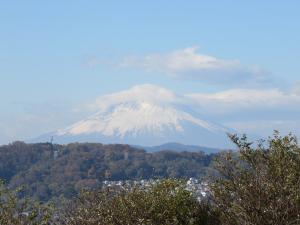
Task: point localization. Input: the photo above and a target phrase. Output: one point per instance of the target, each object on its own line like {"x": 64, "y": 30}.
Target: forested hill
{"x": 50, "y": 171}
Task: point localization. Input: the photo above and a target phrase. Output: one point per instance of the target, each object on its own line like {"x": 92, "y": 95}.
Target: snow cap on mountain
{"x": 144, "y": 115}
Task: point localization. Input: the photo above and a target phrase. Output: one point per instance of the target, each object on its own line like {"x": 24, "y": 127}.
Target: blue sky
{"x": 56, "y": 55}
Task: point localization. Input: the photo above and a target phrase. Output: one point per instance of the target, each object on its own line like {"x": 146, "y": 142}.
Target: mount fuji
{"x": 145, "y": 115}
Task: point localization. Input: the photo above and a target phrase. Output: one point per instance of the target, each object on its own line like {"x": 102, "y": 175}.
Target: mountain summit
{"x": 144, "y": 115}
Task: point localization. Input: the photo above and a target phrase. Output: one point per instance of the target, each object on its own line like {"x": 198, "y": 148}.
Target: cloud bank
{"x": 221, "y": 103}
{"x": 246, "y": 110}
{"x": 248, "y": 99}
{"x": 188, "y": 64}
{"x": 139, "y": 93}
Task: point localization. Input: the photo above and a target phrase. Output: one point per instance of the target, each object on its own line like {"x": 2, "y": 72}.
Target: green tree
{"x": 166, "y": 202}
{"x": 259, "y": 185}
{"x": 15, "y": 211}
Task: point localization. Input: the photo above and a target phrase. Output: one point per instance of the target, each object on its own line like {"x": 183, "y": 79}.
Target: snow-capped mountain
{"x": 144, "y": 115}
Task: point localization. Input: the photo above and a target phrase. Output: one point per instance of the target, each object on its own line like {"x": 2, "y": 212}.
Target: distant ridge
{"x": 173, "y": 146}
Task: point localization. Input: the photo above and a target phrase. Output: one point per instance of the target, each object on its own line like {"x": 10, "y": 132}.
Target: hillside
{"x": 51, "y": 171}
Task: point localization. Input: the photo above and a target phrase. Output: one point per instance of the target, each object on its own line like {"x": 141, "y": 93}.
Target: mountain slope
{"x": 144, "y": 115}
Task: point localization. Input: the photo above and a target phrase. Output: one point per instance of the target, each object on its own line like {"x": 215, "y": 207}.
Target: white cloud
{"x": 247, "y": 99}
{"x": 266, "y": 127}
{"x": 141, "y": 93}
{"x": 253, "y": 111}
{"x": 257, "y": 111}
{"x": 188, "y": 64}
{"x": 296, "y": 88}
{"x": 217, "y": 103}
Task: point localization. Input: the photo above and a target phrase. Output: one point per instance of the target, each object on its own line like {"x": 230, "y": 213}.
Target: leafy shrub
{"x": 259, "y": 185}
{"x": 15, "y": 211}
{"x": 166, "y": 202}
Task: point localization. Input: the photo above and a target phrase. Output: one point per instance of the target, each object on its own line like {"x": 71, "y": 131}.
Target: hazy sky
{"x": 242, "y": 56}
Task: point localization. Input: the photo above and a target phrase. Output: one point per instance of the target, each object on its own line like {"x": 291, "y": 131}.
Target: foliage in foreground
{"x": 15, "y": 211}
{"x": 166, "y": 202}
{"x": 259, "y": 186}
{"x": 254, "y": 186}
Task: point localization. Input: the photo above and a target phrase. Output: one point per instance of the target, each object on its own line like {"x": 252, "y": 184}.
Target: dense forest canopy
{"x": 51, "y": 171}
{"x": 256, "y": 185}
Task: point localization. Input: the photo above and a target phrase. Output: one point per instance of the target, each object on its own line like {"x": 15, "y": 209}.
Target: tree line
{"x": 257, "y": 185}
{"x": 50, "y": 172}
